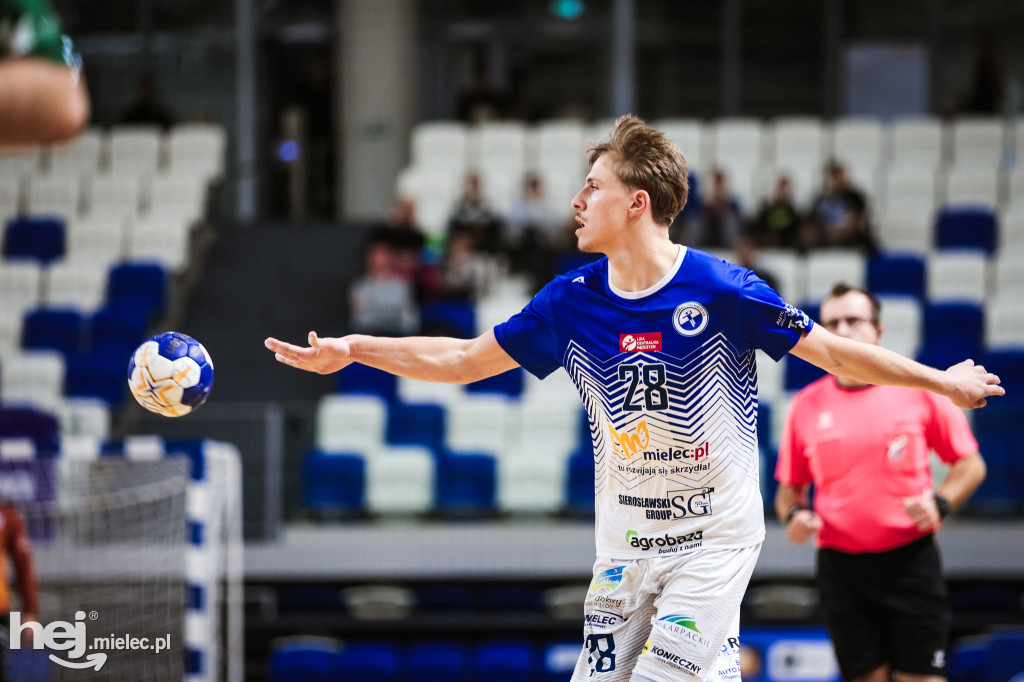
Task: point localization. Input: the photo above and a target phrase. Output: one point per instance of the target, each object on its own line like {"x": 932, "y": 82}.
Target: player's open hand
{"x": 804, "y": 524}
{"x": 973, "y": 385}
{"x": 323, "y": 356}
{"x": 923, "y": 511}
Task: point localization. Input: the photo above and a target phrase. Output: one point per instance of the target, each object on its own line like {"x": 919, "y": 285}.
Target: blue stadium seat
{"x": 371, "y": 662}
{"x": 694, "y": 200}
{"x": 966, "y": 227}
{"x": 312, "y": 660}
{"x": 580, "y": 483}
{"x": 508, "y": 383}
{"x": 899, "y": 274}
{"x": 968, "y": 660}
{"x": 117, "y": 330}
{"x": 40, "y": 238}
{"x": 511, "y": 598}
{"x": 507, "y": 661}
{"x": 416, "y": 425}
{"x": 98, "y": 375}
{"x": 439, "y": 662}
{"x": 449, "y": 318}
{"x": 952, "y": 332}
{"x": 1006, "y": 653}
{"x": 357, "y": 378}
{"x": 466, "y": 483}
{"x": 1009, "y": 365}
{"x": 304, "y": 599}
{"x": 138, "y": 286}
{"x": 799, "y": 373}
{"x": 58, "y": 329}
{"x": 997, "y": 493}
{"x": 334, "y": 483}
{"x": 23, "y": 422}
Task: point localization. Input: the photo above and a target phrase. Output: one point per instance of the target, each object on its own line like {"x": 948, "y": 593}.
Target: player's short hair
{"x": 643, "y": 158}
{"x": 842, "y": 288}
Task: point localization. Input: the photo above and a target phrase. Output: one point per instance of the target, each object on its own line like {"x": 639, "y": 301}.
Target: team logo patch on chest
{"x": 690, "y": 318}
{"x": 638, "y": 343}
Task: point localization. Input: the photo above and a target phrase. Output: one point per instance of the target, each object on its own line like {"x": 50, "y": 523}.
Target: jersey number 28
{"x": 655, "y": 394}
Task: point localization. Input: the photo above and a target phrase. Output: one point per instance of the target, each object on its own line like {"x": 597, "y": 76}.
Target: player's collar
{"x": 654, "y": 288}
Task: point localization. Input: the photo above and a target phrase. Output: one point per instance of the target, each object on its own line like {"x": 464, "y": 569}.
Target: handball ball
{"x": 170, "y": 374}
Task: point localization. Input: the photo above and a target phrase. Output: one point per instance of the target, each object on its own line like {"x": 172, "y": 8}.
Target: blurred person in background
{"x": 721, "y": 221}
{"x": 475, "y": 217}
{"x": 42, "y": 97}
{"x": 875, "y": 513}
{"x": 679, "y": 515}
{"x": 745, "y": 253}
{"x": 777, "y": 224}
{"x": 382, "y": 298}
{"x": 463, "y": 270}
{"x": 15, "y": 548}
{"x": 480, "y": 102}
{"x": 839, "y": 215}
{"x": 146, "y": 107}
{"x": 403, "y": 234}
{"x": 534, "y": 232}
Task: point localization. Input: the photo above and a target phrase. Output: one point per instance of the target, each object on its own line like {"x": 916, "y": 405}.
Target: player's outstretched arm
{"x": 427, "y": 358}
{"x": 966, "y": 384}
{"x": 40, "y": 103}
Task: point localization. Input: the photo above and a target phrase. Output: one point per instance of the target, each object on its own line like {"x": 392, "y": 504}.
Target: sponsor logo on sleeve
{"x": 793, "y": 318}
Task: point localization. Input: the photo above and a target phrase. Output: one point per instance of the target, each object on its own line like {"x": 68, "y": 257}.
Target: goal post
{"x": 135, "y": 542}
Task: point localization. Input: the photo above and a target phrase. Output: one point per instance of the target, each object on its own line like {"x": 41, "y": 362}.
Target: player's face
{"x": 601, "y": 208}
{"x": 850, "y": 316}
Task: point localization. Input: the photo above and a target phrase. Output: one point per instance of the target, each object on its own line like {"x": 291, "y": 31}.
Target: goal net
{"x": 139, "y": 551}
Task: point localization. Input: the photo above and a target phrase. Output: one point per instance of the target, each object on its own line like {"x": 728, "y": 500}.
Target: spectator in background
{"x": 720, "y": 222}
{"x": 534, "y": 233}
{"x": 746, "y": 257}
{"x": 777, "y": 224}
{"x": 475, "y": 217}
{"x": 402, "y": 233}
{"x": 839, "y": 215}
{"x": 463, "y": 270}
{"x": 42, "y": 97}
{"x": 986, "y": 93}
{"x": 16, "y": 548}
{"x": 146, "y": 108}
{"x": 480, "y": 102}
{"x": 382, "y": 299}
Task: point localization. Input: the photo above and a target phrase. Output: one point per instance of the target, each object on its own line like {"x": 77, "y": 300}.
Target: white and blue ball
{"x": 170, "y": 374}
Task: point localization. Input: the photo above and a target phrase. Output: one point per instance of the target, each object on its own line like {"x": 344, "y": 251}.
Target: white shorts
{"x": 668, "y": 618}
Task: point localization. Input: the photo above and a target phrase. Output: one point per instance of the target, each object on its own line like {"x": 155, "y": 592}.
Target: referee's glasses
{"x": 851, "y": 322}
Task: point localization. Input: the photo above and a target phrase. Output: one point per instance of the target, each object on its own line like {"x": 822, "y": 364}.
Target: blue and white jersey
{"x": 669, "y": 381}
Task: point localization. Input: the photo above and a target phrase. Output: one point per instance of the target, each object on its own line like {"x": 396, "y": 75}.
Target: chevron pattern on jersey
{"x": 712, "y": 401}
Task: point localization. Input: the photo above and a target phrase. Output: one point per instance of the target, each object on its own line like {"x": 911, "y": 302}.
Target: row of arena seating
{"x": 776, "y": 655}
{"x": 908, "y": 167}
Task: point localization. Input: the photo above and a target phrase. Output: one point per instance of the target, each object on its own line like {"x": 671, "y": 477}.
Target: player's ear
{"x": 641, "y": 201}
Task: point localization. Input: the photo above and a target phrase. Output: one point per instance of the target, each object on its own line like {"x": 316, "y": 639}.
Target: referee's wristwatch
{"x": 800, "y": 507}
{"x": 942, "y": 504}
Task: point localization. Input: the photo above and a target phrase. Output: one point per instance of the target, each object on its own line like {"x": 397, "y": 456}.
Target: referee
{"x": 866, "y": 451}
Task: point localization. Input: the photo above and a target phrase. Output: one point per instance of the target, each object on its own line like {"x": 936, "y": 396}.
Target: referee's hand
{"x": 804, "y": 524}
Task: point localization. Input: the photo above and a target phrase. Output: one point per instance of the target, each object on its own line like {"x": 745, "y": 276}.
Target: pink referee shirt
{"x": 865, "y": 449}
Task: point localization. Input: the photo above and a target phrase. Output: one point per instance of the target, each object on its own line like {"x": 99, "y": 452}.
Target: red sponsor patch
{"x": 636, "y": 343}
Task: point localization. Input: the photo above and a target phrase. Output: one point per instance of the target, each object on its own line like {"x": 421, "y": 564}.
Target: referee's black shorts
{"x": 887, "y": 607}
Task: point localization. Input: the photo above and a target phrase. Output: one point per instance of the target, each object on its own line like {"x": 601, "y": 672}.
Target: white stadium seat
{"x": 115, "y": 194}
{"x": 440, "y": 144}
{"x": 1004, "y": 322}
{"x": 135, "y": 149}
{"x": 858, "y": 142}
{"x": 179, "y": 194}
{"x": 20, "y": 283}
{"x": 955, "y": 275}
{"x": 785, "y": 266}
{"x": 826, "y": 268}
{"x": 53, "y": 195}
{"x": 479, "y": 423}
{"x": 978, "y": 142}
{"x": 19, "y": 163}
{"x": 82, "y": 156}
{"x": 83, "y": 418}
{"x": 428, "y": 392}
{"x": 906, "y": 228}
{"x": 33, "y": 378}
{"x": 973, "y": 185}
{"x": 97, "y": 239}
{"x": 75, "y": 284}
{"x": 501, "y": 141}
{"x": 800, "y": 142}
{"x": 197, "y": 148}
{"x": 918, "y": 143}
{"x": 355, "y": 424}
{"x": 690, "y": 136}
{"x": 901, "y": 319}
{"x": 161, "y": 238}
{"x": 770, "y": 378}
{"x": 1015, "y": 182}
{"x": 400, "y": 480}
{"x": 910, "y": 187}
{"x": 529, "y": 483}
